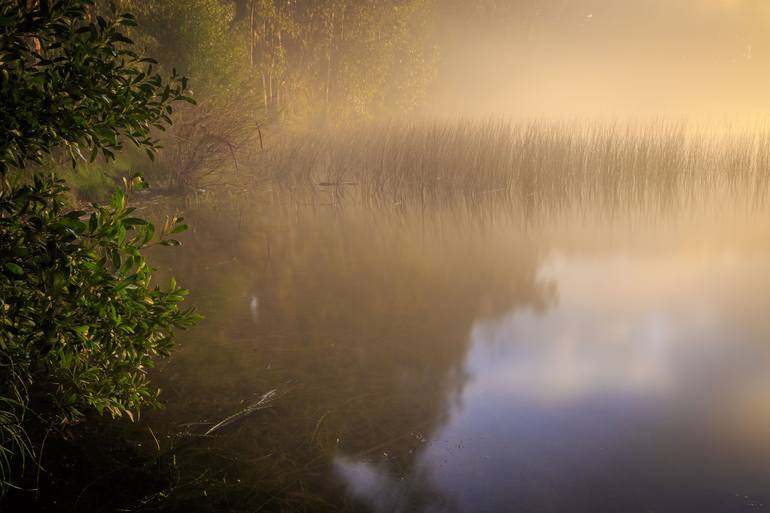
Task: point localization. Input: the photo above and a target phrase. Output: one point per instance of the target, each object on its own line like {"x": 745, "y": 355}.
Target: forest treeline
{"x": 308, "y": 63}
{"x": 266, "y": 69}
{"x": 259, "y": 66}
{"x": 305, "y": 61}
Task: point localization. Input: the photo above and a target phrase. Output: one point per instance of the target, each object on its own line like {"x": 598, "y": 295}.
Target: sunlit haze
{"x": 616, "y": 58}
{"x": 385, "y": 256}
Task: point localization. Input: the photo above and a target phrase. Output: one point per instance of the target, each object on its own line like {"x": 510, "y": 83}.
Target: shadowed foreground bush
{"x": 80, "y": 323}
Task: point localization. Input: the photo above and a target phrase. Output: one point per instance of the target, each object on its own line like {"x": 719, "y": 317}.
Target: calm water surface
{"x": 457, "y": 361}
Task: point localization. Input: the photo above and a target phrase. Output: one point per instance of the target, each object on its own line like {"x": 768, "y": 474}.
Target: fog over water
{"x": 645, "y": 58}
{"x": 460, "y": 361}
{"x": 546, "y": 290}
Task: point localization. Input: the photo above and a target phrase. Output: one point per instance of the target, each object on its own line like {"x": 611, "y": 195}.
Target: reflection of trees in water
{"x": 369, "y": 313}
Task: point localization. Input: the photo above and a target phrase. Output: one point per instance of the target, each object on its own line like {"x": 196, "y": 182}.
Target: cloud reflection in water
{"x": 627, "y": 393}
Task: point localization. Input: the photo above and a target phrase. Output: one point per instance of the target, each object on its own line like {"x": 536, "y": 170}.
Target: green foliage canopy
{"x": 80, "y": 321}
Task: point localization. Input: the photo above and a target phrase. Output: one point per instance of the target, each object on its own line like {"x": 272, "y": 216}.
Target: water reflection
{"x": 443, "y": 362}
{"x": 644, "y": 389}
{"x": 366, "y": 318}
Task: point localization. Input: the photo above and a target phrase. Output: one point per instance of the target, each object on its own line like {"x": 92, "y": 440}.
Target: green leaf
{"x": 134, "y": 221}
{"x": 14, "y": 268}
{"x": 179, "y": 228}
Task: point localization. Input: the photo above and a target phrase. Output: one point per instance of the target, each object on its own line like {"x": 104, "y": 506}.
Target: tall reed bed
{"x": 535, "y": 163}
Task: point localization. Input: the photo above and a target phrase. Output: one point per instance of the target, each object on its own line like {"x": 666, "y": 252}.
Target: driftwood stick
{"x": 264, "y": 402}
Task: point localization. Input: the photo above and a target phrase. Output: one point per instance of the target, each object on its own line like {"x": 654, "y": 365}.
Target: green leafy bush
{"x": 71, "y": 80}
{"x": 80, "y": 321}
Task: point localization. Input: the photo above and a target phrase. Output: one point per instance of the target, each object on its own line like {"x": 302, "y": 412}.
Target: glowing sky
{"x": 607, "y": 57}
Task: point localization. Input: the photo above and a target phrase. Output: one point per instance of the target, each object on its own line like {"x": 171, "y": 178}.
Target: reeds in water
{"x": 536, "y": 164}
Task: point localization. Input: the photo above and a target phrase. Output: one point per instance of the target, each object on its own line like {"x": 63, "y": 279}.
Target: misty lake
{"x": 471, "y": 359}
{"x": 449, "y": 256}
